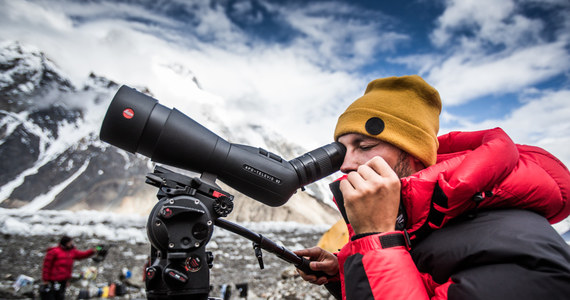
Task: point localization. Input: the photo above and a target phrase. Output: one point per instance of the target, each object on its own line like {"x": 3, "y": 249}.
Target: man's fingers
{"x": 380, "y": 166}
{"x": 321, "y": 281}
{"x": 359, "y": 182}
{"x": 310, "y": 252}
{"x": 307, "y": 277}
{"x": 313, "y": 278}
{"x": 320, "y": 261}
{"x": 353, "y": 181}
{"x": 374, "y": 170}
{"x": 317, "y": 266}
{"x": 367, "y": 171}
{"x": 345, "y": 187}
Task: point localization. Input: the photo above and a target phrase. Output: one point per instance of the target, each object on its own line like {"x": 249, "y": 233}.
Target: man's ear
{"x": 417, "y": 164}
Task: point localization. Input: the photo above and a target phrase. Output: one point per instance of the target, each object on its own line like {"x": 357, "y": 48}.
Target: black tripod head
{"x": 179, "y": 227}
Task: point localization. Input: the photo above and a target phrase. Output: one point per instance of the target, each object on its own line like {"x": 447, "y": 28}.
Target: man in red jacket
{"x": 57, "y": 268}
{"x": 462, "y": 216}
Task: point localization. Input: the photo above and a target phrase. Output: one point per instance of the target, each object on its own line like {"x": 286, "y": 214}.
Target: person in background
{"x": 58, "y": 266}
{"x": 461, "y": 216}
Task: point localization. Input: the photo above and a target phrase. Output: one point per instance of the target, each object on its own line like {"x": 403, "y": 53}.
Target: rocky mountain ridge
{"x": 53, "y": 159}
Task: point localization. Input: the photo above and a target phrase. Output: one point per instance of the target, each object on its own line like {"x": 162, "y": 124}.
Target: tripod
{"x": 179, "y": 227}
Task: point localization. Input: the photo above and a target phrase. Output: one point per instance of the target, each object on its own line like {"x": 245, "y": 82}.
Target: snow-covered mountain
{"x": 52, "y": 157}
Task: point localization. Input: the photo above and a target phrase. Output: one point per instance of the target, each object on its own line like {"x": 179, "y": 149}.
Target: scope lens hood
{"x": 126, "y": 118}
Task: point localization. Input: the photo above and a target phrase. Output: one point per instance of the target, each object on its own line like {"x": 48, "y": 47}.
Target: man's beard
{"x": 402, "y": 167}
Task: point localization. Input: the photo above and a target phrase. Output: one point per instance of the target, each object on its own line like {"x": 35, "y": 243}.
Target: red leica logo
{"x": 128, "y": 113}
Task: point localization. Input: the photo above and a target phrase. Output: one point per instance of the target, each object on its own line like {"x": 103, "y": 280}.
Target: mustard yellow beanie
{"x": 403, "y": 111}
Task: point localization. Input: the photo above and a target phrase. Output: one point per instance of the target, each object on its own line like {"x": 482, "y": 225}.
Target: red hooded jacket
{"x": 58, "y": 262}
{"x": 475, "y": 171}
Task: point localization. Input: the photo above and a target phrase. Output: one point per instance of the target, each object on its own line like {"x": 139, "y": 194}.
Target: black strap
{"x": 392, "y": 240}
{"x": 361, "y": 235}
{"x": 389, "y": 240}
{"x": 395, "y": 240}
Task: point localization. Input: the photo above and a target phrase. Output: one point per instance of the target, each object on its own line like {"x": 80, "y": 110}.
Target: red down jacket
{"x": 475, "y": 171}
{"x": 58, "y": 262}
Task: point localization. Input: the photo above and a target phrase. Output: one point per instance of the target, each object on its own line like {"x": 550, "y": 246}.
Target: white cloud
{"x": 486, "y": 16}
{"x": 215, "y": 26}
{"x": 22, "y": 14}
{"x": 462, "y": 78}
{"x": 544, "y": 116}
{"x": 542, "y": 120}
{"x": 492, "y": 48}
{"x": 337, "y": 35}
{"x": 245, "y": 11}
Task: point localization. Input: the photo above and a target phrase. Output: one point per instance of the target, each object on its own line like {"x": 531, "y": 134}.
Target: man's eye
{"x": 366, "y": 147}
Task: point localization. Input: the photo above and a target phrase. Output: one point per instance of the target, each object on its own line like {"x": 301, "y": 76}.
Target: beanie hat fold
{"x": 409, "y": 109}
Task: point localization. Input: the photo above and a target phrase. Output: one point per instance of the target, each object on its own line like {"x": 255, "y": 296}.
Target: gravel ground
{"x": 234, "y": 263}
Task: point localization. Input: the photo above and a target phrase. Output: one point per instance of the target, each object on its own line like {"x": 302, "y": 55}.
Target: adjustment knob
{"x": 223, "y": 206}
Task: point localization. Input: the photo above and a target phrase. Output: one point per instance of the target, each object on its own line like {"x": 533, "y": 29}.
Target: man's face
{"x": 69, "y": 245}
{"x": 360, "y": 149}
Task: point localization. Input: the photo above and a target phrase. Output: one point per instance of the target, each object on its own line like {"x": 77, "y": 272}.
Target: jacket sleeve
{"x": 373, "y": 272}
{"x": 48, "y": 265}
{"x": 82, "y": 254}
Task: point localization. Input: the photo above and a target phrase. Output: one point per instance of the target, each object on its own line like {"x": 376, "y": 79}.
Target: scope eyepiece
{"x": 319, "y": 163}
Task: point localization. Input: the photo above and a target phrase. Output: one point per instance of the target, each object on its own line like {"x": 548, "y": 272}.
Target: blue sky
{"x": 294, "y": 66}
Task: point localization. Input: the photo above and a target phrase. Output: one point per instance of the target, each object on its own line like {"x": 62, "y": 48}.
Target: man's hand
{"x": 321, "y": 260}
{"x": 372, "y": 197}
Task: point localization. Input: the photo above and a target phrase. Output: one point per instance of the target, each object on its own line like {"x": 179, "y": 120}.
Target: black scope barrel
{"x": 137, "y": 123}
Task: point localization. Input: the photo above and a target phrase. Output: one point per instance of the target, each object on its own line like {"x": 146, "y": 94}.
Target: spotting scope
{"x": 137, "y": 123}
